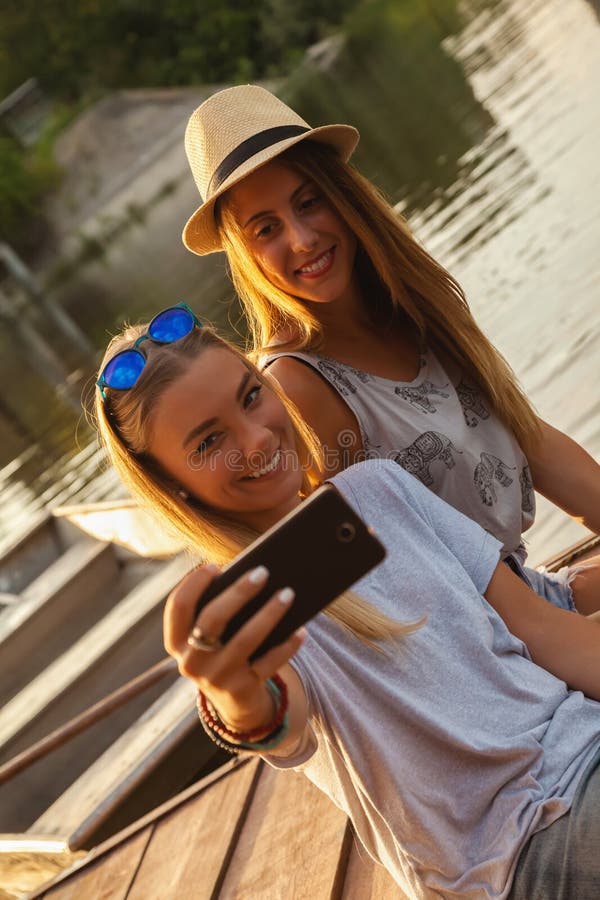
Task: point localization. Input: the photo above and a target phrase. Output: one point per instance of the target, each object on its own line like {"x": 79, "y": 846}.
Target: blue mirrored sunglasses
{"x": 168, "y": 326}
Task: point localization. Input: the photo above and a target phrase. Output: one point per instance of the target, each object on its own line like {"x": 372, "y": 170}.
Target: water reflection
{"x": 484, "y": 129}
{"x": 532, "y": 271}
{"x": 408, "y": 96}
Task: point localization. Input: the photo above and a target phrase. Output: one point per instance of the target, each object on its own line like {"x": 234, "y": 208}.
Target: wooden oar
{"x": 87, "y": 718}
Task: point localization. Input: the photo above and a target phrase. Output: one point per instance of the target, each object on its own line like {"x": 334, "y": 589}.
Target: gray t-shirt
{"x": 452, "y": 748}
{"x": 440, "y": 429}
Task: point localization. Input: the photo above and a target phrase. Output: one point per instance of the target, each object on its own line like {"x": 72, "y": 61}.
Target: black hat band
{"x": 248, "y": 148}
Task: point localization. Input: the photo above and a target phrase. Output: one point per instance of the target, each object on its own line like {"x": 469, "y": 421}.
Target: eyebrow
{"x": 208, "y": 423}
{"x": 269, "y": 212}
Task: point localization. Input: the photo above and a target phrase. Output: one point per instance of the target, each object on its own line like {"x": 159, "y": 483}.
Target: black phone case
{"x": 319, "y": 550}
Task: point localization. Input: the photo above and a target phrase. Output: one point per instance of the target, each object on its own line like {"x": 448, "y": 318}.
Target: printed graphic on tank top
{"x": 440, "y": 429}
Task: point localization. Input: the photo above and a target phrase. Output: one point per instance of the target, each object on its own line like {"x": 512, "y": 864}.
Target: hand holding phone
{"x": 319, "y": 550}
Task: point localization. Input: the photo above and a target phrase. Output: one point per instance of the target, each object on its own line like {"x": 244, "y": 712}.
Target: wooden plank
{"x": 291, "y": 843}
{"x": 99, "y": 642}
{"x": 50, "y": 616}
{"x": 579, "y": 552}
{"x": 25, "y": 556}
{"x": 190, "y": 847}
{"x": 78, "y": 812}
{"x": 123, "y": 522}
{"x": 365, "y": 880}
{"x": 108, "y": 878}
{"x": 113, "y": 843}
{"x": 125, "y": 642}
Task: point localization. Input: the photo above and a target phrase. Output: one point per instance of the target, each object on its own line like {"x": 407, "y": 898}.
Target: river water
{"x": 481, "y": 120}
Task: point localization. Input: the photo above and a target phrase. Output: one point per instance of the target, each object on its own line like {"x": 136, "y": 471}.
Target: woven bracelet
{"x": 269, "y": 743}
{"x": 278, "y": 690}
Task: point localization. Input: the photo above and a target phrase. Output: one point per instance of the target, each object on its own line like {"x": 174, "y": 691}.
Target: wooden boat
{"x": 246, "y": 831}
{"x": 272, "y": 827}
{"x": 124, "y": 523}
{"x": 86, "y": 616}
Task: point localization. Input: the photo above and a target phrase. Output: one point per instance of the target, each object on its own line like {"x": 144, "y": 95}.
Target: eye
{"x": 207, "y": 443}
{"x": 309, "y": 202}
{"x": 252, "y": 395}
{"x": 265, "y": 230}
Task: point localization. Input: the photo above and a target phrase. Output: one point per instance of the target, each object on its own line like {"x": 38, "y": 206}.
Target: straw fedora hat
{"x": 235, "y": 132}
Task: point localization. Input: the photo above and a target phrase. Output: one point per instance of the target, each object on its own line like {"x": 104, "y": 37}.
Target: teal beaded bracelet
{"x": 268, "y": 743}
{"x": 271, "y": 735}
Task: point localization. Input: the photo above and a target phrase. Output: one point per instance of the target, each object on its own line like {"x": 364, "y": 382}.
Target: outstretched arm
{"x": 564, "y": 643}
{"x": 236, "y": 688}
{"x": 567, "y": 475}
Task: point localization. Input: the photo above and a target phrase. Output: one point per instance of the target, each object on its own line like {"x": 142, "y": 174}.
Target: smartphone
{"x": 319, "y": 549}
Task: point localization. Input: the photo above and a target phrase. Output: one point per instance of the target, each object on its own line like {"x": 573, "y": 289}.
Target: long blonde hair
{"x": 401, "y": 282}
{"x": 124, "y": 423}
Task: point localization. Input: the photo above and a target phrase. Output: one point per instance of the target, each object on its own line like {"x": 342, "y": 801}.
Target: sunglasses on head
{"x": 168, "y": 326}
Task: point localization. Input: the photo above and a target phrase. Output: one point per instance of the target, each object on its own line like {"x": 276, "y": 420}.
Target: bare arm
{"x": 236, "y": 688}
{"x": 567, "y": 475}
{"x": 324, "y": 410}
{"x": 564, "y": 643}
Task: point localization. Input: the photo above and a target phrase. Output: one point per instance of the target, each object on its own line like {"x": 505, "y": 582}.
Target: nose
{"x": 302, "y": 235}
{"x": 257, "y": 444}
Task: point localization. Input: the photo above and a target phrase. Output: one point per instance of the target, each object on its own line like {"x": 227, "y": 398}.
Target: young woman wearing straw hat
{"x": 368, "y": 335}
{"x": 458, "y": 756}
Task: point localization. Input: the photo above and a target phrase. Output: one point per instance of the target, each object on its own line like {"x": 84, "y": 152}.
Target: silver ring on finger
{"x": 200, "y": 640}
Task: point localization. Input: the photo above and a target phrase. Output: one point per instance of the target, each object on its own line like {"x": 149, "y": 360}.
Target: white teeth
{"x": 274, "y": 462}
{"x": 317, "y": 266}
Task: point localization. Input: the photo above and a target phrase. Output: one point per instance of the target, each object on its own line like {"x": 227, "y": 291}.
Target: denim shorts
{"x": 562, "y": 862}
{"x": 555, "y": 587}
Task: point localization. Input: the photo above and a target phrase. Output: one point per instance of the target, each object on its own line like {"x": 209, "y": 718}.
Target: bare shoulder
{"x": 298, "y": 379}
{"x": 319, "y": 404}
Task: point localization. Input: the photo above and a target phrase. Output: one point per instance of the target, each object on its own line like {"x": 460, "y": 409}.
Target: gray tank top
{"x": 440, "y": 429}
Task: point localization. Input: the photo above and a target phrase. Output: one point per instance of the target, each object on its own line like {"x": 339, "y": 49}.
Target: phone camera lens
{"x": 346, "y": 532}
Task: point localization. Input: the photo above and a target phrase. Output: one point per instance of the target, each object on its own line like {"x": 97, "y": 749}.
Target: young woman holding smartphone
{"x": 431, "y": 703}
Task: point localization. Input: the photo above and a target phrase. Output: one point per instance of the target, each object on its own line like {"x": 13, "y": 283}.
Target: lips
{"x": 270, "y": 467}
{"x": 317, "y": 266}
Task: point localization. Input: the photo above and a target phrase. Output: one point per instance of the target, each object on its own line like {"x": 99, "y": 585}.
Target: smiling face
{"x": 227, "y": 439}
{"x": 298, "y": 239}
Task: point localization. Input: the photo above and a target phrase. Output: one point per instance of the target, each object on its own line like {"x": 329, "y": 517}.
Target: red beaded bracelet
{"x": 278, "y": 690}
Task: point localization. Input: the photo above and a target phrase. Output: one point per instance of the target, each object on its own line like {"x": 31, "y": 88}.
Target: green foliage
{"x": 79, "y": 51}
{"x": 15, "y": 188}
{"x": 24, "y": 179}
{"x": 287, "y": 27}
{"x": 109, "y": 44}
{"x": 26, "y": 176}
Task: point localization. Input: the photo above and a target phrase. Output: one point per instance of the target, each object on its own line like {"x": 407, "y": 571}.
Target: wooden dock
{"x": 246, "y": 831}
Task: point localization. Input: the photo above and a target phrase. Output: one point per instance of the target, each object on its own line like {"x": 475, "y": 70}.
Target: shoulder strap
{"x": 306, "y": 358}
